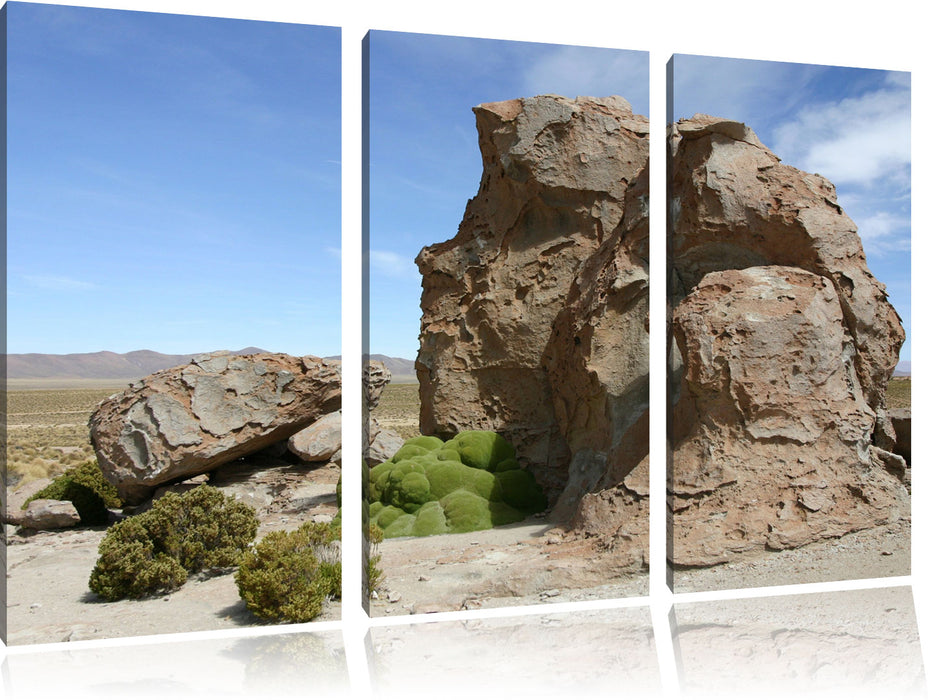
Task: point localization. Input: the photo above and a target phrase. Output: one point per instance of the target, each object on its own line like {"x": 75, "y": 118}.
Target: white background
{"x": 895, "y": 35}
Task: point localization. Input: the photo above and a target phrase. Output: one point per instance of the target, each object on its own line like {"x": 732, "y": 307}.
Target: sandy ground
{"x": 874, "y": 553}
{"x": 524, "y": 564}
{"x": 48, "y": 599}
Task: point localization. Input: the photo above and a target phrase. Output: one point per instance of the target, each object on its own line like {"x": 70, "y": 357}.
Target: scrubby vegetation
{"x": 375, "y": 575}
{"x": 155, "y": 551}
{"x": 898, "y": 393}
{"x": 399, "y": 409}
{"x": 472, "y": 482}
{"x": 288, "y": 576}
{"x": 47, "y": 431}
{"x": 87, "y": 489}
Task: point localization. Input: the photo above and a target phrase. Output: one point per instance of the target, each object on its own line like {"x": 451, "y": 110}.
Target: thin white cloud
{"x": 883, "y": 232}
{"x": 575, "y": 71}
{"x": 735, "y": 89}
{"x": 392, "y": 264}
{"x": 57, "y": 283}
{"x": 855, "y": 141}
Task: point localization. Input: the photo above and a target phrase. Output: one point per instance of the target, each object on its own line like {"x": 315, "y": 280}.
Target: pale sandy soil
{"x": 874, "y": 553}
{"x": 47, "y": 572}
{"x": 529, "y": 563}
{"x": 523, "y": 564}
{"x": 526, "y": 564}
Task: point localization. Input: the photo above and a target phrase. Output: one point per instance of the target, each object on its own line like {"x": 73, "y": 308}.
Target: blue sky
{"x": 850, "y": 125}
{"x": 424, "y": 158}
{"x": 173, "y": 183}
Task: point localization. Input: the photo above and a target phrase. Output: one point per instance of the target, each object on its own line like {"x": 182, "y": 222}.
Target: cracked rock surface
{"x": 535, "y": 314}
{"x": 782, "y": 343}
{"x": 187, "y": 420}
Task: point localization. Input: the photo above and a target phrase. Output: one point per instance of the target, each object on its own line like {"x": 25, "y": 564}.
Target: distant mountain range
{"x": 97, "y": 365}
{"x": 400, "y": 369}
{"x": 903, "y": 369}
{"x": 138, "y": 363}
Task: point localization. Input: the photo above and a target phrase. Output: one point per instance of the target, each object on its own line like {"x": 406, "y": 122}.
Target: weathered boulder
{"x": 190, "y": 419}
{"x": 47, "y": 514}
{"x": 782, "y": 343}
{"x": 535, "y": 314}
{"x": 733, "y": 205}
{"x": 376, "y": 377}
{"x": 771, "y": 432}
{"x": 319, "y": 441}
{"x": 384, "y": 443}
{"x": 379, "y": 443}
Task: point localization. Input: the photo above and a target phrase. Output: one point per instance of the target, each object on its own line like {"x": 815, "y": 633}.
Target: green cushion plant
{"x": 472, "y": 482}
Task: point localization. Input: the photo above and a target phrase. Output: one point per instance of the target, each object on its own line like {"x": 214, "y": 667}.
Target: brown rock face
{"x": 190, "y": 419}
{"x": 535, "y": 313}
{"x": 782, "y": 343}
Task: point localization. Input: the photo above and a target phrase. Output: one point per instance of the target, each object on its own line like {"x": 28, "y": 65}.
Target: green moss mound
{"x": 472, "y": 482}
{"x": 481, "y": 449}
{"x": 154, "y": 552}
{"x": 87, "y": 489}
{"x": 428, "y": 442}
{"x": 519, "y": 490}
{"x": 288, "y": 576}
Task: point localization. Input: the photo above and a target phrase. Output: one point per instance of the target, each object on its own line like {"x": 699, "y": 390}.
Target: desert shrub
{"x": 471, "y": 482}
{"x": 202, "y": 528}
{"x": 288, "y": 576}
{"x": 87, "y": 489}
{"x": 154, "y": 551}
{"x": 129, "y": 565}
{"x": 375, "y": 575}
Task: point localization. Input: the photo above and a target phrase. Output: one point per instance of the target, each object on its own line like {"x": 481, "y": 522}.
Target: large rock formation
{"x": 535, "y": 314}
{"x": 188, "y": 420}
{"x": 782, "y": 343}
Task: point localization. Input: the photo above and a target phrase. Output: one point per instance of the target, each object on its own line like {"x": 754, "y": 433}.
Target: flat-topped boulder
{"x": 46, "y": 514}
{"x": 187, "y": 420}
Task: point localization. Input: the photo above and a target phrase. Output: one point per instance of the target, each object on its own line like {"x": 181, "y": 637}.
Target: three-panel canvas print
{"x": 173, "y": 363}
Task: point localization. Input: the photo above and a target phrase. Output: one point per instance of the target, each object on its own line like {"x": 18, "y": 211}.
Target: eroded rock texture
{"x": 782, "y": 343}
{"x": 535, "y": 314}
{"x": 187, "y": 420}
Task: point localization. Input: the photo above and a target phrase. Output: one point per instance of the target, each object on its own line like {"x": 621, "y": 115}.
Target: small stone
{"x": 423, "y": 577}
{"x": 48, "y": 514}
{"x": 394, "y": 597}
{"x": 551, "y": 593}
{"x": 886, "y": 553}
